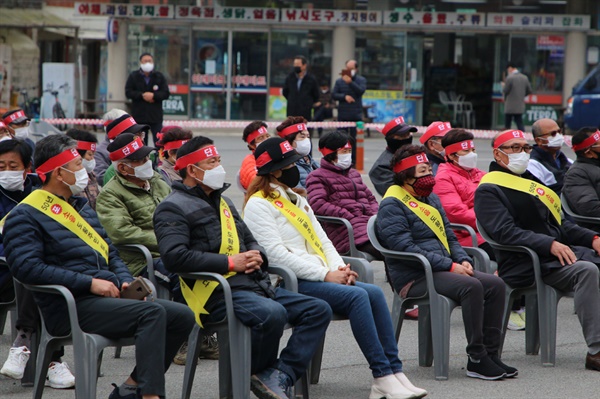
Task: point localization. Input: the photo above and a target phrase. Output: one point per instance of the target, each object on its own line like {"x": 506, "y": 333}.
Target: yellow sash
{"x": 64, "y": 214}
{"x": 197, "y": 296}
{"x": 427, "y": 213}
{"x": 539, "y": 191}
{"x": 300, "y": 220}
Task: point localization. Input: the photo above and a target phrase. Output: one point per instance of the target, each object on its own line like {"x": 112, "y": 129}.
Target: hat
{"x": 124, "y": 124}
{"x": 436, "y": 129}
{"x": 15, "y": 116}
{"x": 128, "y": 146}
{"x": 397, "y": 126}
{"x": 274, "y": 154}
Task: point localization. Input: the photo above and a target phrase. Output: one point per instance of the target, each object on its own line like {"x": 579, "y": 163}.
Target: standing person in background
{"x": 515, "y": 88}
{"x": 326, "y": 104}
{"x": 301, "y": 90}
{"x": 348, "y": 90}
{"x": 147, "y": 89}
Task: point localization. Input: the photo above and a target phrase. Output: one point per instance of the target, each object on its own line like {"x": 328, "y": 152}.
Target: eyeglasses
{"x": 517, "y": 148}
{"x": 552, "y": 133}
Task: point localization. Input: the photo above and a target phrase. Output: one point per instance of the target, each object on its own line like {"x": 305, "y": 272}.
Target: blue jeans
{"x": 267, "y": 318}
{"x": 370, "y": 320}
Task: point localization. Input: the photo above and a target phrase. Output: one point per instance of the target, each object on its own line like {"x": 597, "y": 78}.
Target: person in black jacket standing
{"x": 301, "y": 90}
{"x": 147, "y": 89}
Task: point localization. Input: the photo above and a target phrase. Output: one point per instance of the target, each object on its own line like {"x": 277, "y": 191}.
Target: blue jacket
{"x": 306, "y": 165}
{"x": 400, "y": 229}
{"x": 356, "y": 88}
{"x": 41, "y": 251}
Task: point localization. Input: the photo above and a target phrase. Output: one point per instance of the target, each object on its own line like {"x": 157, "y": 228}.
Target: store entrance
{"x": 458, "y": 77}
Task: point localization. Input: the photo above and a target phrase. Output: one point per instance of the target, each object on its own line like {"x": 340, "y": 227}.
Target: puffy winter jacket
{"x": 341, "y": 193}
{"x": 247, "y": 170}
{"x": 305, "y": 166}
{"x": 400, "y": 229}
{"x": 456, "y": 187}
{"x": 141, "y": 110}
{"x": 582, "y": 189}
{"x": 41, "y": 251}
{"x": 355, "y": 89}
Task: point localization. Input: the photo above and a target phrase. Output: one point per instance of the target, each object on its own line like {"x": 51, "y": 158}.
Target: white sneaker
{"x": 408, "y": 385}
{"x": 59, "y": 376}
{"x": 515, "y": 322}
{"x": 389, "y": 387}
{"x": 14, "y": 366}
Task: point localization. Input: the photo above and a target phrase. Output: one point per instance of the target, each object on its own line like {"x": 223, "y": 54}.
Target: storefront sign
{"x": 177, "y": 103}
{"x": 433, "y": 19}
{"x": 538, "y": 21}
{"x": 335, "y": 17}
{"x": 237, "y": 14}
{"x": 550, "y": 42}
{"x": 536, "y": 112}
{"x": 385, "y": 105}
{"x": 124, "y": 10}
{"x": 277, "y": 105}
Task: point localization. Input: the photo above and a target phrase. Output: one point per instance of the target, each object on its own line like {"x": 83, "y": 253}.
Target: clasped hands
{"x": 343, "y": 275}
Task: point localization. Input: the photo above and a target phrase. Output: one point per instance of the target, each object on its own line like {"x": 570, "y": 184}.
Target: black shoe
{"x": 510, "y": 371}
{"x": 484, "y": 368}
{"x": 115, "y": 394}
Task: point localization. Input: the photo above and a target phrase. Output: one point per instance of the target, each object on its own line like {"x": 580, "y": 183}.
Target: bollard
{"x": 360, "y": 147}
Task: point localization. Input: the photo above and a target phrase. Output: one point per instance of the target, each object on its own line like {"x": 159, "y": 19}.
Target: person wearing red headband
{"x": 86, "y": 147}
{"x": 171, "y": 139}
{"x": 53, "y": 237}
{"x": 514, "y": 208}
{"x": 18, "y": 124}
{"x": 294, "y": 130}
{"x": 6, "y": 132}
{"x": 255, "y": 133}
{"x": 432, "y": 140}
{"x": 411, "y": 219}
{"x": 101, "y": 156}
{"x": 199, "y": 230}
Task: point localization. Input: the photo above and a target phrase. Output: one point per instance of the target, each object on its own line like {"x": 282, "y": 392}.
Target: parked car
{"x": 583, "y": 107}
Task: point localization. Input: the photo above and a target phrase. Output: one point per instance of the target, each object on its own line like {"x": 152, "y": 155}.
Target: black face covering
{"x": 297, "y": 69}
{"x": 290, "y": 177}
{"x": 394, "y": 144}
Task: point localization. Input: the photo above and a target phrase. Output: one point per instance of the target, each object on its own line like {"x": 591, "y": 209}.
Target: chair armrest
{"x": 362, "y": 267}
{"x": 468, "y": 229}
{"x": 344, "y": 222}
{"x": 481, "y": 258}
{"x": 289, "y": 278}
{"x": 144, "y": 251}
{"x": 224, "y": 286}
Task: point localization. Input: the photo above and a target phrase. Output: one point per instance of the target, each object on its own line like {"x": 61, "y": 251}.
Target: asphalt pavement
{"x": 345, "y": 373}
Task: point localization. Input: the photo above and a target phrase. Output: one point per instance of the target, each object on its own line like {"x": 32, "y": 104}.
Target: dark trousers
{"x": 154, "y": 129}
{"x": 482, "y": 301}
{"x": 321, "y": 114}
{"x": 159, "y": 328}
{"x": 267, "y": 318}
{"x": 371, "y": 250}
{"x": 518, "y": 118}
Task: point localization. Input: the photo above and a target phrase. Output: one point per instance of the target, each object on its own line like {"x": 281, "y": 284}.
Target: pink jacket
{"x": 456, "y": 188}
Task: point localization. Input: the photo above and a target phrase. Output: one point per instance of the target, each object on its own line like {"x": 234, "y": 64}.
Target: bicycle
{"x": 57, "y": 109}
{"x": 30, "y": 107}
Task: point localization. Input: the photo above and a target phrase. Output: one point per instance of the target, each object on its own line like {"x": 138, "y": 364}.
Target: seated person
{"x": 432, "y": 140}
{"x": 195, "y": 234}
{"x": 19, "y": 123}
{"x": 294, "y": 130}
{"x": 43, "y": 247}
{"x": 101, "y": 155}
{"x": 255, "y": 133}
{"x": 171, "y": 139}
{"x": 581, "y": 186}
{"x": 407, "y": 228}
{"x": 285, "y": 226}
{"x": 511, "y": 211}
{"x": 397, "y": 133}
{"x": 336, "y": 189}
{"x": 86, "y": 147}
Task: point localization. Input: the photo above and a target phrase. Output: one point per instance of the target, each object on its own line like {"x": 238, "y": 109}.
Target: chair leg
{"x": 29, "y": 373}
{"x": 194, "y": 341}
{"x": 397, "y": 315}
{"x": 532, "y": 326}
{"x": 13, "y": 324}
{"x": 240, "y": 360}
{"x": 301, "y": 387}
{"x": 315, "y": 363}
{"x": 440, "y": 330}
{"x": 425, "y": 338}
{"x": 508, "y": 302}
{"x": 118, "y": 352}
{"x": 43, "y": 360}
{"x": 548, "y": 303}
{"x": 225, "y": 377}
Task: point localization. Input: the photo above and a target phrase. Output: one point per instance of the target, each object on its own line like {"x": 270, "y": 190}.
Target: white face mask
{"x": 353, "y": 72}
{"x": 81, "y": 180}
{"x": 6, "y": 137}
{"x": 213, "y": 178}
{"x": 556, "y": 141}
{"x": 468, "y": 161}
{"x": 89, "y": 165}
{"x": 344, "y": 161}
{"x": 12, "y": 180}
{"x": 144, "y": 171}
{"x": 303, "y": 147}
{"x": 517, "y": 163}
{"x": 22, "y": 132}
{"x": 147, "y": 67}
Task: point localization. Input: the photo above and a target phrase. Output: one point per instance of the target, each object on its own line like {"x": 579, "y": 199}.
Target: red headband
{"x": 587, "y": 142}
{"x": 456, "y": 147}
{"x": 121, "y": 127}
{"x": 56, "y": 161}
{"x": 410, "y": 162}
{"x": 196, "y": 156}
{"x": 86, "y": 146}
{"x": 174, "y": 145}
{"x": 509, "y": 135}
{"x": 14, "y": 116}
{"x": 392, "y": 124}
{"x": 252, "y": 136}
{"x": 327, "y": 151}
{"x": 129, "y": 149}
{"x": 2, "y": 125}
{"x": 265, "y": 157}
{"x": 292, "y": 129}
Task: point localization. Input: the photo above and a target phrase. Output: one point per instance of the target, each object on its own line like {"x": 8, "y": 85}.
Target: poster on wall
{"x": 209, "y": 65}
{"x": 277, "y": 105}
{"x": 385, "y": 105}
{"x": 58, "y": 95}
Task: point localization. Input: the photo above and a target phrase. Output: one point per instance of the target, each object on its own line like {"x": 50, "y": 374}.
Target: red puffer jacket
{"x": 248, "y": 170}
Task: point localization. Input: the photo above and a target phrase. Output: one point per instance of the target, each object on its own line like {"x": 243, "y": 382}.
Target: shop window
{"x": 541, "y": 58}
{"x": 380, "y": 57}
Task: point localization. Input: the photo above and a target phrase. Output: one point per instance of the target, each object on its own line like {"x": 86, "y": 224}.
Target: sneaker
{"x": 181, "y": 355}
{"x": 271, "y": 384}
{"x": 389, "y": 387}
{"x": 59, "y": 376}
{"x": 14, "y": 366}
{"x": 412, "y": 314}
{"x": 515, "y": 322}
{"x": 209, "y": 348}
{"x": 409, "y": 385}
{"x": 522, "y": 315}
{"x": 510, "y": 371}
{"x": 484, "y": 368}
{"x": 116, "y": 394}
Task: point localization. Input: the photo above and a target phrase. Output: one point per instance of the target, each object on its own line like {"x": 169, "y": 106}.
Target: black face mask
{"x": 297, "y": 69}
{"x": 290, "y": 177}
{"x": 394, "y": 144}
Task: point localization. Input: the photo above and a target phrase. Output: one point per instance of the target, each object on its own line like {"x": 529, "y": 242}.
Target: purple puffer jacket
{"x": 341, "y": 193}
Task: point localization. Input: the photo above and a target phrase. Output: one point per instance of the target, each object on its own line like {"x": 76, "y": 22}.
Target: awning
{"x": 29, "y": 18}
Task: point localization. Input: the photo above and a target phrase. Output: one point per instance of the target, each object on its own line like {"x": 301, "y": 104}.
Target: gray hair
{"x": 113, "y": 114}
{"x": 51, "y": 146}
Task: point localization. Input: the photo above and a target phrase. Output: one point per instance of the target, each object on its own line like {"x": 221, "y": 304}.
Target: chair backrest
{"x": 354, "y": 252}
{"x": 577, "y": 218}
{"x": 443, "y": 97}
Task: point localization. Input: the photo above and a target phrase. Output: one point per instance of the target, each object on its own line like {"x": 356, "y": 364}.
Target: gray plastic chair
{"x": 547, "y": 303}
{"x": 579, "y": 219}
{"x": 87, "y": 348}
{"x": 353, "y": 252}
{"x": 434, "y": 309}
{"x": 161, "y": 291}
